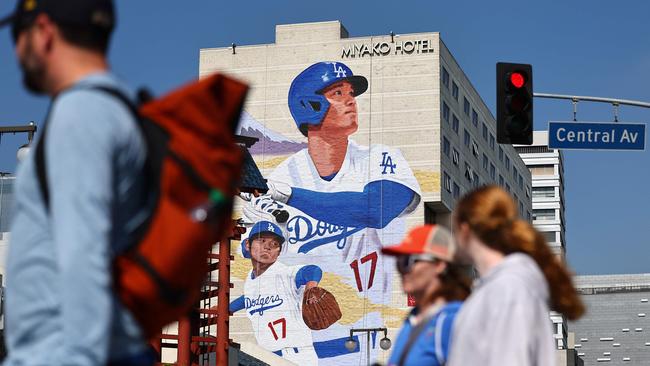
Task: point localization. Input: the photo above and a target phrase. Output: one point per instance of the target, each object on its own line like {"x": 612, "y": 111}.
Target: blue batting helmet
{"x": 259, "y": 228}
{"x": 307, "y": 104}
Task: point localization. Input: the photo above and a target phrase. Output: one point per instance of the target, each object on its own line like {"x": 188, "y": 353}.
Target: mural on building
{"x": 337, "y": 203}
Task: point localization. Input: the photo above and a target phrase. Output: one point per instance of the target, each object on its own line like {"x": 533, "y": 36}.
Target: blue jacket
{"x": 432, "y": 345}
{"x": 60, "y": 305}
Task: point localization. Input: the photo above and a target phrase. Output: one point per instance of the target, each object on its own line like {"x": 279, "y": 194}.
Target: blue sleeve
{"x": 308, "y": 273}
{"x": 237, "y": 304}
{"x": 82, "y": 138}
{"x": 447, "y": 326}
{"x": 375, "y": 207}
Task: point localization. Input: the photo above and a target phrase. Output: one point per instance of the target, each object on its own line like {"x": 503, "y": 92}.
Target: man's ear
{"x": 46, "y": 30}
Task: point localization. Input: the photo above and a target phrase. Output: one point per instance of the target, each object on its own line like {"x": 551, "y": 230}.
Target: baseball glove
{"x": 319, "y": 308}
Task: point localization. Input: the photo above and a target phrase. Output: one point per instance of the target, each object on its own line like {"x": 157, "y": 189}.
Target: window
{"x": 445, "y": 112}
{"x": 521, "y": 181}
{"x": 549, "y": 236}
{"x": 485, "y": 132}
{"x": 501, "y": 180}
{"x": 500, "y": 154}
{"x": 475, "y": 149}
{"x": 454, "y": 90}
{"x": 466, "y": 106}
{"x": 507, "y": 187}
{"x": 468, "y": 172}
{"x": 493, "y": 172}
{"x": 445, "y": 146}
{"x": 456, "y": 191}
{"x": 514, "y": 174}
{"x": 445, "y": 77}
{"x": 466, "y": 138}
{"x": 527, "y": 192}
{"x": 544, "y": 214}
{"x": 454, "y": 124}
{"x": 543, "y": 192}
{"x": 542, "y": 169}
{"x": 485, "y": 162}
{"x": 507, "y": 163}
{"x": 474, "y": 118}
{"x": 492, "y": 142}
{"x": 521, "y": 209}
{"x": 455, "y": 156}
{"x": 447, "y": 181}
{"x": 528, "y": 217}
{"x": 475, "y": 181}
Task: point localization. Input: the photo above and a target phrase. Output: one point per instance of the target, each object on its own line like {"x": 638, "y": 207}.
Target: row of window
{"x": 546, "y": 169}
{"x": 474, "y": 179}
{"x": 469, "y": 111}
{"x": 488, "y": 166}
{"x": 471, "y": 144}
{"x": 543, "y": 192}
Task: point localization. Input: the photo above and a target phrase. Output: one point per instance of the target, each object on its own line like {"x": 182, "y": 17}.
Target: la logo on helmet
{"x": 271, "y": 229}
{"x": 340, "y": 71}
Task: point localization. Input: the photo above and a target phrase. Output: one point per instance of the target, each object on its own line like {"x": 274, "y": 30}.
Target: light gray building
{"x": 616, "y": 328}
{"x": 547, "y": 170}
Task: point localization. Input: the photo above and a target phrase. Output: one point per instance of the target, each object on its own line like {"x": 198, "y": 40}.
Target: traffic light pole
{"x": 30, "y": 129}
{"x": 576, "y": 98}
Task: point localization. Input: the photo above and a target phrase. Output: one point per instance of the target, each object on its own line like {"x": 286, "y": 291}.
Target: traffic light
{"x": 514, "y": 103}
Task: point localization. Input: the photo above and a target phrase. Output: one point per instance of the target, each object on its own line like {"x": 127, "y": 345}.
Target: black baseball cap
{"x": 96, "y": 15}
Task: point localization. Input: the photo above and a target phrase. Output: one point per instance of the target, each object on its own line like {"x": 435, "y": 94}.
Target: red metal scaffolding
{"x": 194, "y": 342}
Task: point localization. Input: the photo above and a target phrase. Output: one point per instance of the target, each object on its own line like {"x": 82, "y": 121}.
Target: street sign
{"x": 596, "y": 136}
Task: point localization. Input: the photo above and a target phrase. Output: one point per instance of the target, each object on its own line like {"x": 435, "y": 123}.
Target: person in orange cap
{"x": 438, "y": 288}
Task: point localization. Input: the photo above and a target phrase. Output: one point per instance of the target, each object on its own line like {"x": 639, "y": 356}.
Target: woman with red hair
{"x": 506, "y": 319}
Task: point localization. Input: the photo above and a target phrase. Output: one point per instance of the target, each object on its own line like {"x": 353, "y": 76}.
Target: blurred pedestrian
{"x": 438, "y": 288}
{"x": 60, "y": 305}
{"x": 506, "y": 319}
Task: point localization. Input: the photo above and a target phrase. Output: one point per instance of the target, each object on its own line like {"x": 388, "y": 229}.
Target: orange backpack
{"x": 192, "y": 170}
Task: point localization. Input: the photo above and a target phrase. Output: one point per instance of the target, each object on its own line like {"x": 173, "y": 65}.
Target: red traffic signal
{"x": 514, "y": 103}
{"x": 517, "y": 79}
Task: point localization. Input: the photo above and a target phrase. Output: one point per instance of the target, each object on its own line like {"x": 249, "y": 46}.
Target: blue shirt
{"x": 432, "y": 345}
{"x": 60, "y": 305}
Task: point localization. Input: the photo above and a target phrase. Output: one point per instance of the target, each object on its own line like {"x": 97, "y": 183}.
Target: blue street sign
{"x": 596, "y": 135}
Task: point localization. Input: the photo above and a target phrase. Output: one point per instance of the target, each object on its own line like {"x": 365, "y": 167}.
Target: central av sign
{"x": 596, "y": 136}
{"x": 359, "y": 50}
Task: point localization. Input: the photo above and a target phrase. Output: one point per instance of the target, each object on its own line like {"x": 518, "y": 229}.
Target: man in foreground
{"x": 60, "y": 305}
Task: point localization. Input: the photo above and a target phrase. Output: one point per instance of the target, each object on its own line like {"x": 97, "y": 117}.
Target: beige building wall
{"x": 401, "y": 109}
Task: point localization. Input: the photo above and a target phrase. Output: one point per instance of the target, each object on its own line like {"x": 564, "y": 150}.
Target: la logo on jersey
{"x": 340, "y": 71}
{"x": 387, "y": 163}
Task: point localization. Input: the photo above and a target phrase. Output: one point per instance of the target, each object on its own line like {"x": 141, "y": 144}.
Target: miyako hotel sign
{"x": 410, "y": 47}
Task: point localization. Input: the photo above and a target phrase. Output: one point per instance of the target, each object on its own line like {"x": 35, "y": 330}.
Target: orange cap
{"x": 425, "y": 239}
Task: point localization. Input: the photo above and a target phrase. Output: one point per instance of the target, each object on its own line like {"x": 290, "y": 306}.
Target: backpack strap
{"x": 413, "y": 336}
{"x": 41, "y": 168}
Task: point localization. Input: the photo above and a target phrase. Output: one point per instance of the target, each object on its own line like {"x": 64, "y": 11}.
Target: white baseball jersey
{"x": 354, "y": 253}
{"x": 273, "y": 305}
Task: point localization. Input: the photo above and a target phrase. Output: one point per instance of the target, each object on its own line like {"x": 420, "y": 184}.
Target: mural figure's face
{"x": 264, "y": 248}
{"x": 341, "y": 117}
{"x": 423, "y": 278}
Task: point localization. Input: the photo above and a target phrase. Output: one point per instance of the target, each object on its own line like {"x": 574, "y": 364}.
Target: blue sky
{"x": 581, "y": 47}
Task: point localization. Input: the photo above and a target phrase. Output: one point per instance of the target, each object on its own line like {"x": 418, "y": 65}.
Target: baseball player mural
{"x": 283, "y": 302}
{"x": 345, "y": 201}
